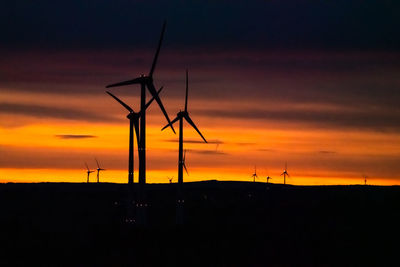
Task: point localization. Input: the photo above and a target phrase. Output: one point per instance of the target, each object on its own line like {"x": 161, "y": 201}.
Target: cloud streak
{"x": 41, "y": 111}
{"x": 75, "y": 136}
{"x": 376, "y": 120}
{"x": 192, "y": 141}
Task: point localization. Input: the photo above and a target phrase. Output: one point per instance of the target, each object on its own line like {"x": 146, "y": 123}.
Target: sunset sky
{"x": 311, "y": 83}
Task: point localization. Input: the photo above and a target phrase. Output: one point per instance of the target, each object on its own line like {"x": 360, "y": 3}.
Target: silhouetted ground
{"x": 227, "y": 224}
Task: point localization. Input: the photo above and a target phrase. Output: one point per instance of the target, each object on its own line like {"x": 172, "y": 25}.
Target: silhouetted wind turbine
{"x": 254, "y": 175}
{"x": 88, "y": 172}
{"x": 133, "y": 123}
{"x": 98, "y": 170}
{"x": 181, "y": 162}
{"x": 268, "y": 178}
{"x": 285, "y": 173}
{"x": 170, "y": 179}
{"x": 365, "y": 179}
{"x": 145, "y": 81}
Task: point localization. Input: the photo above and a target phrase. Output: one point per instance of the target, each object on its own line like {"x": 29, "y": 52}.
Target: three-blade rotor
{"x": 185, "y": 114}
{"x": 148, "y": 80}
{"x": 87, "y": 167}
{"x": 285, "y": 171}
{"x": 98, "y": 166}
{"x": 128, "y": 107}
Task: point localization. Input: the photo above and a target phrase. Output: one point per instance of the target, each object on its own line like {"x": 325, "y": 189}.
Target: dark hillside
{"x": 227, "y": 224}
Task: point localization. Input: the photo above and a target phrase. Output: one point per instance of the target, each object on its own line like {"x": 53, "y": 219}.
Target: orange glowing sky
{"x": 254, "y": 116}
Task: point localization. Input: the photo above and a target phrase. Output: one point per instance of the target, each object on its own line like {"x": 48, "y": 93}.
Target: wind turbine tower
{"x": 88, "y": 172}
{"x": 133, "y": 125}
{"x": 98, "y": 171}
{"x": 145, "y": 81}
{"x": 181, "y": 160}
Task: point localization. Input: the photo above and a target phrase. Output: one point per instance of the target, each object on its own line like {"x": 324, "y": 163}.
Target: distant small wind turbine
{"x": 254, "y": 175}
{"x": 170, "y": 179}
{"x": 365, "y": 179}
{"x": 285, "y": 173}
{"x": 268, "y": 178}
{"x": 88, "y": 172}
{"x": 98, "y": 170}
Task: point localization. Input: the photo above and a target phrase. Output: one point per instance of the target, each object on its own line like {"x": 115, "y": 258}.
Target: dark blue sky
{"x": 339, "y": 24}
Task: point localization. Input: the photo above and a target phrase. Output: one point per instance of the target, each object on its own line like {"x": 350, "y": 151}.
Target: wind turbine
{"x": 254, "y": 175}
{"x": 145, "y": 81}
{"x": 170, "y": 179}
{"x": 98, "y": 171}
{"x": 268, "y": 178}
{"x": 285, "y": 173}
{"x": 181, "y": 162}
{"x": 133, "y": 124}
{"x": 88, "y": 172}
{"x": 365, "y": 179}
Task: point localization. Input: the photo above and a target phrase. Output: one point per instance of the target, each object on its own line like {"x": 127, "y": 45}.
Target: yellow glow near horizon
{"x": 161, "y": 176}
{"x": 231, "y": 155}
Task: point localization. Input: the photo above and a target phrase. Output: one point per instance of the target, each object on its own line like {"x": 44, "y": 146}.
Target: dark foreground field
{"x": 227, "y": 224}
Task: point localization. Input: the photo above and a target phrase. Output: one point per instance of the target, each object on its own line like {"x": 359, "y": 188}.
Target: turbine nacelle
{"x": 182, "y": 114}
{"x": 133, "y": 116}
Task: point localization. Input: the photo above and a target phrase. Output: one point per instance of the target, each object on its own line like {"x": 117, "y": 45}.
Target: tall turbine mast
{"x": 181, "y": 159}
{"x": 145, "y": 81}
{"x": 133, "y": 125}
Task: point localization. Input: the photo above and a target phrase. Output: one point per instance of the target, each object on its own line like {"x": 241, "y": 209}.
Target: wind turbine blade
{"x": 152, "y": 99}
{"x": 120, "y": 101}
{"x": 136, "y": 125}
{"x": 282, "y": 173}
{"x": 97, "y": 163}
{"x": 87, "y": 167}
{"x": 153, "y": 66}
{"x": 187, "y": 89}
{"x": 153, "y": 92}
{"x": 184, "y": 166}
{"x": 172, "y": 122}
{"x": 134, "y": 81}
{"x": 189, "y": 120}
